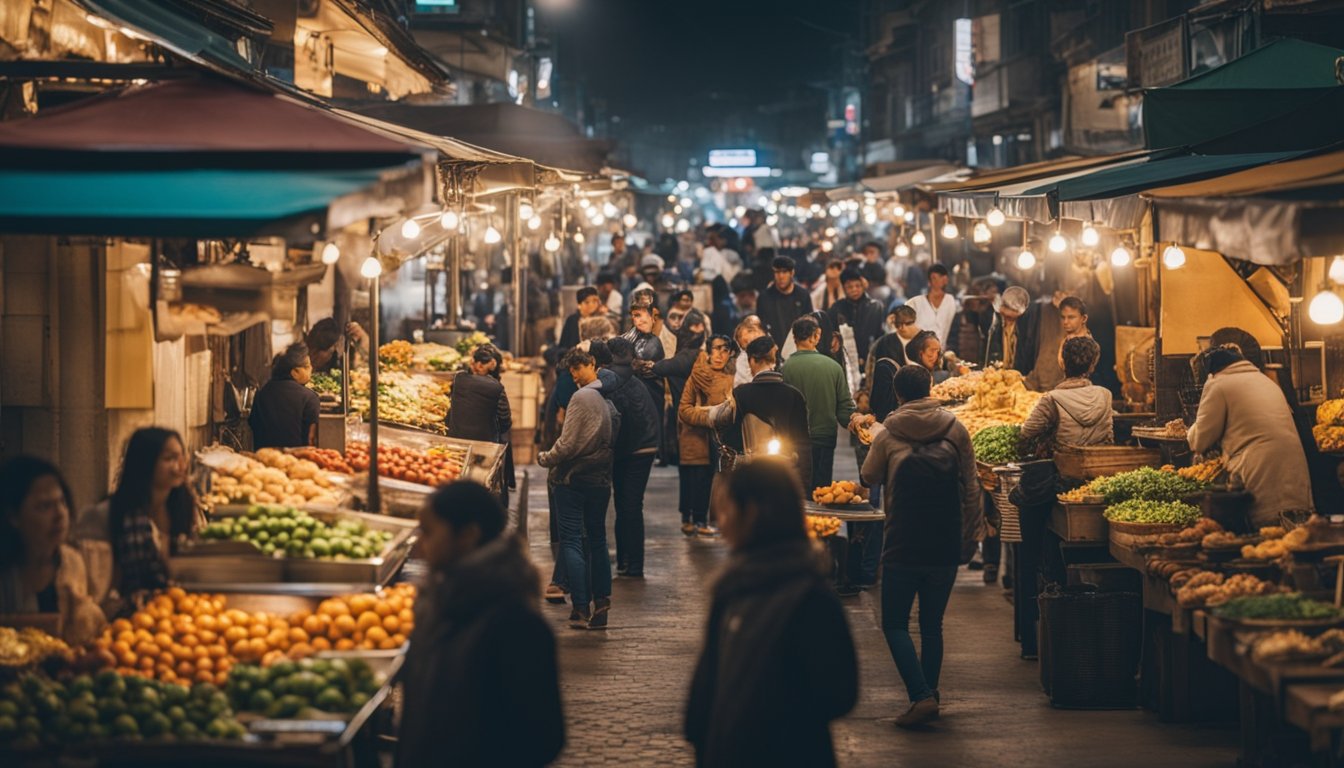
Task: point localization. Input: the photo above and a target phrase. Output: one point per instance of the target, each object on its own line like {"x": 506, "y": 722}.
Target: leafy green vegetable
{"x": 998, "y": 445}
{"x": 1144, "y": 511}
{"x": 1284, "y": 606}
{"x": 326, "y": 383}
{"x": 1145, "y": 483}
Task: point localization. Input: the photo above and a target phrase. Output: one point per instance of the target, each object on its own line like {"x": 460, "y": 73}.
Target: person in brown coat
{"x": 710, "y": 383}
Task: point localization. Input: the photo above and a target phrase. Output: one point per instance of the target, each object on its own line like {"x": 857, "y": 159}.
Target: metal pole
{"x": 375, "y": 497}
{"x": 519, "y": 275}
{"x": 454, "y": 299}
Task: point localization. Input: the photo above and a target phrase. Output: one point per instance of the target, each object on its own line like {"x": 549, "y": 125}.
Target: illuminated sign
{"x": 732, "y": 158}
{"x": 963, "y": 63}
{"x": 756, "y": 172}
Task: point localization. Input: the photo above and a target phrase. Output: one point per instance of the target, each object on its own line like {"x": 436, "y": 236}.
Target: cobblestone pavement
{"x": 624, "y": 689}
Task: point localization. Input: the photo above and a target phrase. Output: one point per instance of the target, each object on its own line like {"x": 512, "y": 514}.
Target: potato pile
{"x": 270, "y": 477}
{"x": 840, "y": 492}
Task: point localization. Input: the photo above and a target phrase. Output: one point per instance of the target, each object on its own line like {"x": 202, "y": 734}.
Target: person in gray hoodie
{"x": 1077, "y": 412}
{"x": 580, "y": 478}
{"x": 923, "y": 456}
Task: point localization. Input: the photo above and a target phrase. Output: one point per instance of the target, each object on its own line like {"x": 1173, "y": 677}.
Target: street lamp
{"x": 372, "y": 270}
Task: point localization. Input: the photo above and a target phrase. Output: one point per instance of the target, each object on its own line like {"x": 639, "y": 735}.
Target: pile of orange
{"x": 364, "y": 621}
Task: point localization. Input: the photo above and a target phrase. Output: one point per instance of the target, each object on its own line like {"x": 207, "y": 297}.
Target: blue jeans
{"x": 823, "y": 465}
{"x": 900, "y": 585}
{"x": 582, "y": 517}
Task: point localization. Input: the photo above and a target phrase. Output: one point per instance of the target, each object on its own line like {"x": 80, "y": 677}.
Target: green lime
{"x": 330, "y": 699}
{"x": 125, "y": 725}
{"x": 261, "y": 700}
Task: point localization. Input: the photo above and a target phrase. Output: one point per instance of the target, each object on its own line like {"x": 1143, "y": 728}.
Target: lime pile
{"x": 290, "y": 532}
{"x": 286, "y": 688}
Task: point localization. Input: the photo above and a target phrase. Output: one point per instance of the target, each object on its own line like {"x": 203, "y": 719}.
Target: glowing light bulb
{"x": 331, "y": 253}
{"x": 740, "y": 211}
{"x": 830, "y": 232}
{"x": 827, "y": 246}
{"x": 1173, "y": 257}
{"x": 1090, "y": 236}
{"x": 668, "y": 220}
{"x": 950, "y": 230}
{"x": 610, "y": 211}
{"x": 909, "y": 216}
{"x": 410, "y": 229}
{"x": 683, "y": 225}
{"x": 1336, "y": 272}
{"x": 629, "y": 220}
{"x": 1326, "y": 308}
{"x": 583, "y": 203}
{"x": 371, "y": 268}
{"x": 448, "y": 220}
{"x": 772, "y": 447}
{"x": 1121, "y": 256}
{"x": 534, "y": 223}
{"x": 918, "y": 238}
{"x": 995, "y": 217}
{"x": 1026, "y": 259}
{"x": 578, "y": 238}
{"x": 492, "y": 235}
{"x": 1058, "y": 243}
{"x": 525, "y": 211}
{"x": 552, "y": 243}
{"x": 902, "y": 250}
{"x": 980, "y": 233}
{"x": 898, "y": 211}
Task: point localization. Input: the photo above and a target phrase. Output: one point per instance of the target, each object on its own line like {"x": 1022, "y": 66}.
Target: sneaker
{"x": 556, "y": 594}
{"x": 688, "y": 528}
{"x": 601, "y": 611}
{"x": 848, "y": 590}
{"x": 579, "y": 618}
{"x": 991, "y": 573}
{"x": 706, "y": 531}
{"x": 633, "y": 573}
{"x": 921, "y": 711}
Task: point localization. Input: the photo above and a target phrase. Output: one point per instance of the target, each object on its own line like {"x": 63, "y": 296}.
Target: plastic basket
{"x": 1089, "y": 647}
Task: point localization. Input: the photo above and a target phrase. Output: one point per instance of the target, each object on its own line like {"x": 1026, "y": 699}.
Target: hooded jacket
{"x": 1246, "y": 412}
{"x": 481, "y": 668}
{"x": 913, "y": 542}
{"x": 639, "y": 416}
{"x": 778, "y": 663}
{"x": 705, "y": 387}
{"x": 582, "y": 454}
{"x": 1077, "y": 412}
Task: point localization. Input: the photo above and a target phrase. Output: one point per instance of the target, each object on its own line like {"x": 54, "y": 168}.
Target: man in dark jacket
{"x": 284, "y": 414}
{"x": 479, "y": 405}
{"x": 923, "y": 456}
{"x": 860, "y": 312}
{"x": 647, "y": 346}
{"x": 781, "y": 407}
{"x": 783, "y": 302}
{"x": 481, "y": 666}
{"x": 589, "y": 305}
{"x": 633, "y": 454}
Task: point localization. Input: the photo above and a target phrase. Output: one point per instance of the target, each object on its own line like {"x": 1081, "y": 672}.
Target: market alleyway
{"x": 624, "y": 689}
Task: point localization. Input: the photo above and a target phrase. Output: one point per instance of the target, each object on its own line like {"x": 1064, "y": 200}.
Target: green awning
{"x": 201, "y": 203}
{"x": 1134, "y": 178}
{"x": 173, "y": 26}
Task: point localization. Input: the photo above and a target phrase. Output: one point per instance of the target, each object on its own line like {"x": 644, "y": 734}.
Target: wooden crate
{"x": 1093, "y": 461}
{"x": 1079, "y": 522}
{"x": 524, "y": 391}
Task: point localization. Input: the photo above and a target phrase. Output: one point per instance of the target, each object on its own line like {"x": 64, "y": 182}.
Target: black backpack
{"x": 924, "y": 522}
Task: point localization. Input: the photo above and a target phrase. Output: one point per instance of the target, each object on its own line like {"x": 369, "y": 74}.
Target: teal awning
{"x": 1157, "y": 172}
{"x": 201, "y": 203}
{"x": 175, "y": 27}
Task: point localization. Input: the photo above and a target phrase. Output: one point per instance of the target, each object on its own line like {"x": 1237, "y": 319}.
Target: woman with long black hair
{"x": 128, "y": 537}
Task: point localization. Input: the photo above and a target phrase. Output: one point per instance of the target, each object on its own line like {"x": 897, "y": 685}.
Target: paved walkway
{"x": 624, "y": 689}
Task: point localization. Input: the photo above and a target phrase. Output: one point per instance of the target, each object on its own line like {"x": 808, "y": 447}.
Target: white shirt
{"x": 939, "y": 319}
{"x": 725, "y": 263}
{"x": 743, "y": 373}
{"x": 764, "y": 237}
{"x": 615, "y": 303}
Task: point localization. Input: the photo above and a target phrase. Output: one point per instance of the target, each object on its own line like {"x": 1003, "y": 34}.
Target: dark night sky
{"x": 669, "y": 61}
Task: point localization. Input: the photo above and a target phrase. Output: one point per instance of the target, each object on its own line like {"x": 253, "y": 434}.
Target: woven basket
{"x": 1010, "y": 519}
{"x": 988, "y": 480}
{"x": 1093, "y": 461}
{"x": 1143, "y": 529}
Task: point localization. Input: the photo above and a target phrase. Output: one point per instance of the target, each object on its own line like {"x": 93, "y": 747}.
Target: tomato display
{"x": 435, "y": 467}
{"x": 326, "y": 458}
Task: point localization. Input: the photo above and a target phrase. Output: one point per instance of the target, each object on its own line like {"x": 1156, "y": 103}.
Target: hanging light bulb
{"x": 371, "y": 268}
{"x": 552, "y": 243}
{"x": 909, "y": 216}
{"x": 331, "y": 253}
{"x": 1326, "y": 308}
{"x": 598, "y": 220}
{"x": 492, "y": 235}
{"x": 1173, "y": 257}
{"x": 668, "y": 220}
{"x": 898, "y": 211}
{"x": 1058, "y": 243}
{"x": 827, "y": 246}
{"x": 772, "y": 447}
{"x": 980, "y": 233}
{"x": 1026, "y": 259}
{"x": 578, "y": 237}
{"x": 534, "y": 222}
{"x": 610, "y": 211}
{"x": 1336, "y": 272}
{"x": 683, "y": 226}
{"x": 830, "y": 232}
{"x": 410, "y": 229}
{"x": 583, "y": 203}
{"x": 901, "y": 250}
{"x": 1090, "y": 236}
{"x": 448, "y": 220}
{"x": 995, "y": 217}
{"x": 525, "y": 211}
{"x": 1121, "y": 256}
{"x": 629, "y": 220}
{"x": 918, "y": 238}
{"x": 950, "y": 230}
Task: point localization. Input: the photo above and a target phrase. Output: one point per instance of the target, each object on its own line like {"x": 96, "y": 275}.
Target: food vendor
{"x": 39, "y": 572}
{"x": 1246, "y": 412}
{"x": 324, "y": 343}
{"x": 284, "y": 413}
{"x": 126, "y": 539}
{"x": 480, "y": 405}
{"x": 1077, "y": 412}
{"x": 925, "y": 349}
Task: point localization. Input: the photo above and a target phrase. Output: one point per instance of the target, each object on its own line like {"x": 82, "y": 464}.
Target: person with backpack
{"x": 923, "y": 456}
{"x": 634, "y": 451}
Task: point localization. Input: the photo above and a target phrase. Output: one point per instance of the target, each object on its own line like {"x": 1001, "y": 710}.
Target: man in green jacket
{"x": 829, "y": 403}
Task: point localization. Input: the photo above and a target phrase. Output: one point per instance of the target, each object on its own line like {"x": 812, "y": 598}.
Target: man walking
{"x": 783, "y": 302}
{"x": 824, "y": 387}
{"x": 634, "y": 450}
{"x": 780, "y": 408}
{"x": 923, "y": 456}
{"x": 860, "y": 312}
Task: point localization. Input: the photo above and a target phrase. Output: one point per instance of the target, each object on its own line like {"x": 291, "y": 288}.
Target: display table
{"x": 839, "y": 546}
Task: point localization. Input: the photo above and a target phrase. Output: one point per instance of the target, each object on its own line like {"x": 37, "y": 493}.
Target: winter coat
{"x": 1246, "y": 412}
{"x": 480, "y": 409}
{"x": 648, "y": 346}
{"x": 639, "y": 417}
{"x": 582, "y": 454}
{"x": 1077, "y": 412}
{"x": 918, "y": 422}
{"x": 1027, "y": 326}
{"x": 777, "y": 666}
{"x": 778, "y": 310}
{"x": 80, "y": 618}
{"x": 865, "y": 317}
{"x": 481, "y": 667}
{"x": 705, "y": 387}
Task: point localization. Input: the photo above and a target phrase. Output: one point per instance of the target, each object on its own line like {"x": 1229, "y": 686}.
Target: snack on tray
{"x": 822, "y": 526}
{"x": 1203, "y": 527}
{"x": 1275, "y": 548}
{"x": 840, "y": 492}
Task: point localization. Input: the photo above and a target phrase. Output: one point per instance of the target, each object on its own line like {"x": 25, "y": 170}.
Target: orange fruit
{"x": 358, "y": 637}
{"x": 176, "y": 593}
{"x": 120, "y": 647}
{"x": 241, "y": 649}
{"x": 321, "y": 644}
{"x": 204, "y": 676}
{"x": 345, "y": 644}
{"x": 183, "y": 653}
{"x": 163, "y": 640}
{"x": 383, "y": 608}
{"x": 368, "y": 619}
{"x": 127, "y": 659}
{"x": 312, "y": 625}
{"x": 257, "y": 647}
{"x": 128, "y": 637}
{"x": 142, "y": 620}
{"x": 259, "y": 629}
{"x": 406, "y": 615}
{"x": 392, "y": 624}
{"x": 146, "y": 648}
{"x": 300, "y": 650}
{"x": 376, "y": 635}
{"x": 400, "y": 639}
{"x": 166, "y": 658}
{"x": 278, "y": 639}
{"x": 217, "y": 651}
{"x": 122, "y": 625}
{"x": 389, "y": 644}
{"x": 205, "y": 662}
{"x": 146, "y": 662}
{"x": 271, "y": 657}
{"x": 343, "y": 625}
{"x": 207, "y": 637}
{"x": 297, "y": 635}
{"x": 167, "y": 625}
{"x": 207, "y": 621}
{"x": 234, "y": 634}
{"x": 333, "y": 608}
{"x": 191, "y": 641}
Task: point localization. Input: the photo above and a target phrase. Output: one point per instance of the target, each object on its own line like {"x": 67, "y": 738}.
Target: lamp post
{"x": 372, "y": 270}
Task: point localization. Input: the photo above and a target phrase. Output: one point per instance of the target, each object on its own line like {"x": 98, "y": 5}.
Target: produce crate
{"x": 1091, "y": 462}
{"x": 524, "y": 444}
{"x": 524, "y": 391}
{"x": 1079, "y": 522}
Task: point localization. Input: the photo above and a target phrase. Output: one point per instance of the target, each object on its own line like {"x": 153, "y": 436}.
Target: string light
{"x": 331, "y": 253}
{"x": 448, "y": 220}
{"x": 668, "y": 220}
{"x": 534, "y": 223}
{"x": 901, "y": 250}
{"x": 578, "y": 237}
{"x": 1090, "y": 236}
{"x": 1121, "y": 256}
{"x": 980, "y": 233}
{"x": 898, "y": 211}
{"x": 1173, "y": 257}
{"x": 950, "y": 230}
{"x": 629, "y": 220}
{"x": 1058, "y": 243}
{"x": 410, "y": 229}
{"x": 552, "y": 243}
{"x": 918, "y": 238}
{"x": 1326, "y": 308}
{"x": 1026, "y": 259}
{"x": 995, "y": 217}
{"x": 525, "y": 211}
{"x": 610, "y": 211}
{"x": 371, "y": 268}
{"x": 492, "y": 235}
{"x": 1336, "y": 273}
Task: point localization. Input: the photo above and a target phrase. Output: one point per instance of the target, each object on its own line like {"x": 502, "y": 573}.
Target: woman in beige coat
{"x": 1245, "y": 411}
{"x": 710, "y": 383}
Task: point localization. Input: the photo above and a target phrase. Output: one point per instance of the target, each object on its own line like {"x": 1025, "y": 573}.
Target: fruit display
{"x": 840, "y": 492}
{"x": 821, "y": 526}
{"x": 380, "y": 621}
{"x": 1000, "y": 397}
{"x": 1145, "y": 484}
{"x": 437, "y": 466}
{"x": 1273, "y": 546}
{"x": 396, "y": 355}
{"x": 1152, "y": 512}
{"x": 29, "y": 645}
{"x": 416, "y": 400}
{"x": 287, "y": 688}
{"x": 1080, "y": 495}
{"x": 998, "y": 445}
{"x": 1292, "y": 606}
{"x": 37, "y": 711}
{"x": 1204, "y": 472}
{"x": 1209, "y": 589}
{"x": 1329, "y": 438}
{"x": 957, "y": 388}
{"x": 1292, "y": 645}
{"x": 289, "y": 532}
{"x": 326, "y": 384}
{"x": 1203, "y": 527}
{"x": 468, "y": 344}
{"x": 268, "y": 477}
{"x": 325, "y": 458}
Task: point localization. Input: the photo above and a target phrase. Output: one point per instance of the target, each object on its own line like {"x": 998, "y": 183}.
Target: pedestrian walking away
{"x": 633, "y": 453}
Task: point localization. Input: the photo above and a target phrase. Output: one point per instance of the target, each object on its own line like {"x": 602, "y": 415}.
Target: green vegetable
{"x": 998, "y": 445}
{"x": 1144, "y": 511}
{"x": 326, "y": 383}
{"x": 466, "y": 346}
{"x": 1146, "y": 483}
{"x": 1283, "y": 606}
